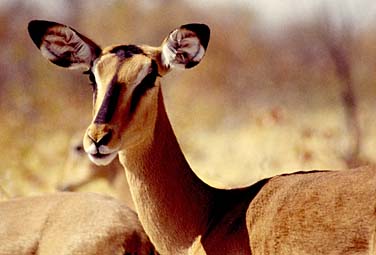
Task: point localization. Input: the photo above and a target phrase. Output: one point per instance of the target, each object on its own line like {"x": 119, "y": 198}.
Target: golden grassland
{"x": 255, "y": 107}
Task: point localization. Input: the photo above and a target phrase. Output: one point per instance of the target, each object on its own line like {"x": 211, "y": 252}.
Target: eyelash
{"x": 91, "y": 78}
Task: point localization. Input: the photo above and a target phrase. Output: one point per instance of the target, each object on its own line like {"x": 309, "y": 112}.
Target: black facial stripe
{"x": 91, "y": 75}
{"x": 92, "y": 83}
{"x": 108, "y": 107}
{"x": 111, "y": 98}
{"x": 146, "y": 84}
{"x": 126, "y": 51}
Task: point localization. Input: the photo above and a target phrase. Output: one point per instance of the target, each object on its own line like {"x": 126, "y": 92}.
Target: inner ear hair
{"x": 202, "y": 31}
{"x": 185, "y": 47}
{"x": 63, "y": 45}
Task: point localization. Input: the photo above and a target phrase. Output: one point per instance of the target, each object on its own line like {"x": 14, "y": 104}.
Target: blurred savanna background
{"x": 284, "y": 86}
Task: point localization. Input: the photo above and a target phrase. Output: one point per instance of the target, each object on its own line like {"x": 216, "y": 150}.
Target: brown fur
{"x": 313, "y": 213}
{"x": 70, "y": 223}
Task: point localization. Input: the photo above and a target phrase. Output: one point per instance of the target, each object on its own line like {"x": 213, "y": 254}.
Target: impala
{"x": 301, "y": 213}
{"x": 68, "y": 224}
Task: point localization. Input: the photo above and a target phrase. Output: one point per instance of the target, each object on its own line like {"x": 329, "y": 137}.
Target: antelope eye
{"x": 91, "y": 78}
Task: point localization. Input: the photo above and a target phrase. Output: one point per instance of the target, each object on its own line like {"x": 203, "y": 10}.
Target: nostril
{"x": 91, "y": 137}
{"x": 105, "y": 139}
{"x": 99, "y": 135}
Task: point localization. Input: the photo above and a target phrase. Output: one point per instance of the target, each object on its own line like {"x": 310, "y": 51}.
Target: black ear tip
{"x": 37, "y": 29}
{"x": 202, "y": 31}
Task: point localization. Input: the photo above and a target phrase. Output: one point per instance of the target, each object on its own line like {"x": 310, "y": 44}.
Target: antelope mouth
{"x": 102, "y": 159}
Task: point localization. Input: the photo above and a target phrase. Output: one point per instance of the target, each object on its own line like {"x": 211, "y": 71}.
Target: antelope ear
{"x": 185, "y": 47}
{"x": 63, "y": 45}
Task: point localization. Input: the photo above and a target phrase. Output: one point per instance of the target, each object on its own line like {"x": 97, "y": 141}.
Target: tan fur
{"x": 70, "y": 223}
{"x": 315, "y": 213}
{"x": 175, "y": 206}
{"x": 312, "y": 213}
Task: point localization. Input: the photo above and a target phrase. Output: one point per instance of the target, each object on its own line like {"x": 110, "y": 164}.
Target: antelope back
{"x": 70, "y": 223}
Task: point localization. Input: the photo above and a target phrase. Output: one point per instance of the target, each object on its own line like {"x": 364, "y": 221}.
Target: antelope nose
{"x": 103, "y": 138}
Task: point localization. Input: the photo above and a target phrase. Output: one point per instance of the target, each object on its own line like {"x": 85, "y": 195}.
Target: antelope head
{"x": 125, "y": 79}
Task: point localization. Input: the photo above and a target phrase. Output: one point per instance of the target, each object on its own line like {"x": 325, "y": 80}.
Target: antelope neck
{"x": 164, "y": 187}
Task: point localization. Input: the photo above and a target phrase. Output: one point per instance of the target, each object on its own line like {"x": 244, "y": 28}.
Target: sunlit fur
{"x": 129, "y": 73}
{"x": 302, "y": 213}
{"x": 70, "y": 223}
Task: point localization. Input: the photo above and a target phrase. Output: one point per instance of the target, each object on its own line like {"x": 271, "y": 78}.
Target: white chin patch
{"x": 102, "y": 159}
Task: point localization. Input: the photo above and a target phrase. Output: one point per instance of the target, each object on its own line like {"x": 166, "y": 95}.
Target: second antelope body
{"x": 302, "y": 213}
